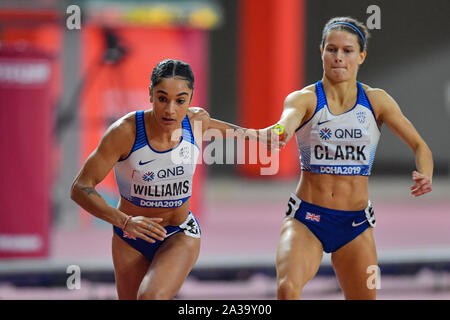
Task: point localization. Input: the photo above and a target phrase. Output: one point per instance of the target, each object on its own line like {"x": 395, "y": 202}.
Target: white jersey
{"x": 150, "y": 178}
{"x": 343, "y": 144}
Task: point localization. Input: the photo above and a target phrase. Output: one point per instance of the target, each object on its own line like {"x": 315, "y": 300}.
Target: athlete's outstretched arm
{"x": 395, "y": 120}
{"x": 230, "y": 130}
{"x": 112, "y": 146}
{"x": 201, "y": 119}
{"x": 292, "y": 115}
{"x": 294, "y": 110}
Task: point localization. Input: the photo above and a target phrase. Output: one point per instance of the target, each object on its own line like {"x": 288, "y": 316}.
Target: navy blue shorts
{"x": 190, "y": 227}
{"x": 333, "y": 228}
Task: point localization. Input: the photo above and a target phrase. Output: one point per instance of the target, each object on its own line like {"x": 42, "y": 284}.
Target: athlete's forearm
{"x": 229, "y": 130}
{"x": 424, "y": 160}
{"x": 290, "y": 119}
{"x": 91, "y": 201}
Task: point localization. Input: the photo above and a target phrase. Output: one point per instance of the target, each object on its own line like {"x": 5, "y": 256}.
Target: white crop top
{"x": 155, "y": 179}
{"x": 343, "y": 144}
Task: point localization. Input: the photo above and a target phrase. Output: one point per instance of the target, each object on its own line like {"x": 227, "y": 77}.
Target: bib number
{"x": 370, "y": 215}
{"x": 292, "y": 206}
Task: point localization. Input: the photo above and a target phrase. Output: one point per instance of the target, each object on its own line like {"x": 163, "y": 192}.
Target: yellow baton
{"x": 279, "y": 129}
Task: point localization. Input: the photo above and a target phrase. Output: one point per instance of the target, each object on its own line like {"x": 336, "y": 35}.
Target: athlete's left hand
{"x": 422, "y": 185}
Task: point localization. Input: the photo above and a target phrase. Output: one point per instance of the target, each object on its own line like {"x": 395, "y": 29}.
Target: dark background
{"x": 410, "y": 51}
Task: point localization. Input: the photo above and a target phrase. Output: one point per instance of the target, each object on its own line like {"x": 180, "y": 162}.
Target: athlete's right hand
{"x": 274, "y": 137}
{"x": 146, "y": 228}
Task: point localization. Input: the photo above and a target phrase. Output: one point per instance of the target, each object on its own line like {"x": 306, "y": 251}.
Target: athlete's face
{"x": 341, "y": 56}
{"x": 171, "y": 99}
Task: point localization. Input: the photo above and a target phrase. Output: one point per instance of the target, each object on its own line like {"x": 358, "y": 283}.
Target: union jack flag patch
{"x": 312, "y": 217}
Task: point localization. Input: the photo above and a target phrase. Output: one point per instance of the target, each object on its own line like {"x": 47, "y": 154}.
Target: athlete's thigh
{"x": 351, "y": 264}
{"x": 130, "y": 267}
{"x": 299, "y": 253}
{"x": 171, "y": 265}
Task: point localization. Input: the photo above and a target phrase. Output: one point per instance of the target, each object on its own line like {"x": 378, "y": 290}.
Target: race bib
{"x": 151, "y": 185}
{"x": 340, "y": 151}
{"x": 190, "y": 227}
{"x": 370, "y": 214}
{"x": 292, "y": 205}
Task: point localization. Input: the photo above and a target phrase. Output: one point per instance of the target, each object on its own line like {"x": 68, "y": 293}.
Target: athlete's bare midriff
{"x": 171, "y": 216}
{"x": 336, "y": 192}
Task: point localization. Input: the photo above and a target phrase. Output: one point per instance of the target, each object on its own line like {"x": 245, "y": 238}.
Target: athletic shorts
{"x": 190, "y": 227}
{"x": 333, "y": 228}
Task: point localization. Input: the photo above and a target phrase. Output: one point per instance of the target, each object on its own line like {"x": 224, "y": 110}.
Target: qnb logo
{"x": 171, "y": 172}
{"x": 148, "y": 176}
{"x": 325, "y": 133}
{"x": 348, "y": 133}
{"x": 163, "y": 173}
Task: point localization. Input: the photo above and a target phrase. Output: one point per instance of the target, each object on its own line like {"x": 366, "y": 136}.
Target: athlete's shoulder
{"x": 123, "y": 130}
{"x": 305, "y": 97}
{"x": 374, "y": 93}
{"x": 124, "y": 125}
{"x": 197, "y": 113}
{"x": 378, "y": 97}
{"x": 120, "y": 135}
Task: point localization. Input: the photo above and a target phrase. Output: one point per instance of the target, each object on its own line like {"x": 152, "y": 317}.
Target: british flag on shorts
{"x": 312, "y": 217}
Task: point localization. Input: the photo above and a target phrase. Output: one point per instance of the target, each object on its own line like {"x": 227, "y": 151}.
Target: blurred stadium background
{"x": 60, "y": 88}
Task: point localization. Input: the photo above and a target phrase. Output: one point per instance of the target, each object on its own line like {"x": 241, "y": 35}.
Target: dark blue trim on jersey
{"x": 141, "y": 135}
{"x": 358, "y": 96}
{"x": 321, "y": 97}
{"x": 364, "y": 101}
{"x": 150, "y": 146}
{"x": 344, "y": 170}
{"x": 361, "y": 98}
{"x": 321, "y": 101}
{"x": 156, "y": 151}
{"x": 143, "y": 203}
{"x": 187, "y": 131}
{"x": 140, "y": 139}
{"x": 186, "y": 135}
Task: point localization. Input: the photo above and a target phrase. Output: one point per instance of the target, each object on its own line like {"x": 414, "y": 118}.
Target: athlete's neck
{"x": 160, "y": 133}
{"x": 343, "y": 92}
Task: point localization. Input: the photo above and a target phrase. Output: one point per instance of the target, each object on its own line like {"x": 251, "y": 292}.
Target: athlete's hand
{"x": 145, "y": 228}
{"x": 274, "y": 137}
{"x": 422, "y": 184}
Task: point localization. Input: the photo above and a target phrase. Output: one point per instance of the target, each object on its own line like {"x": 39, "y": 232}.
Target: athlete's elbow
{"x": 420, "y": 147}
{"x": 74, "y": 189}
